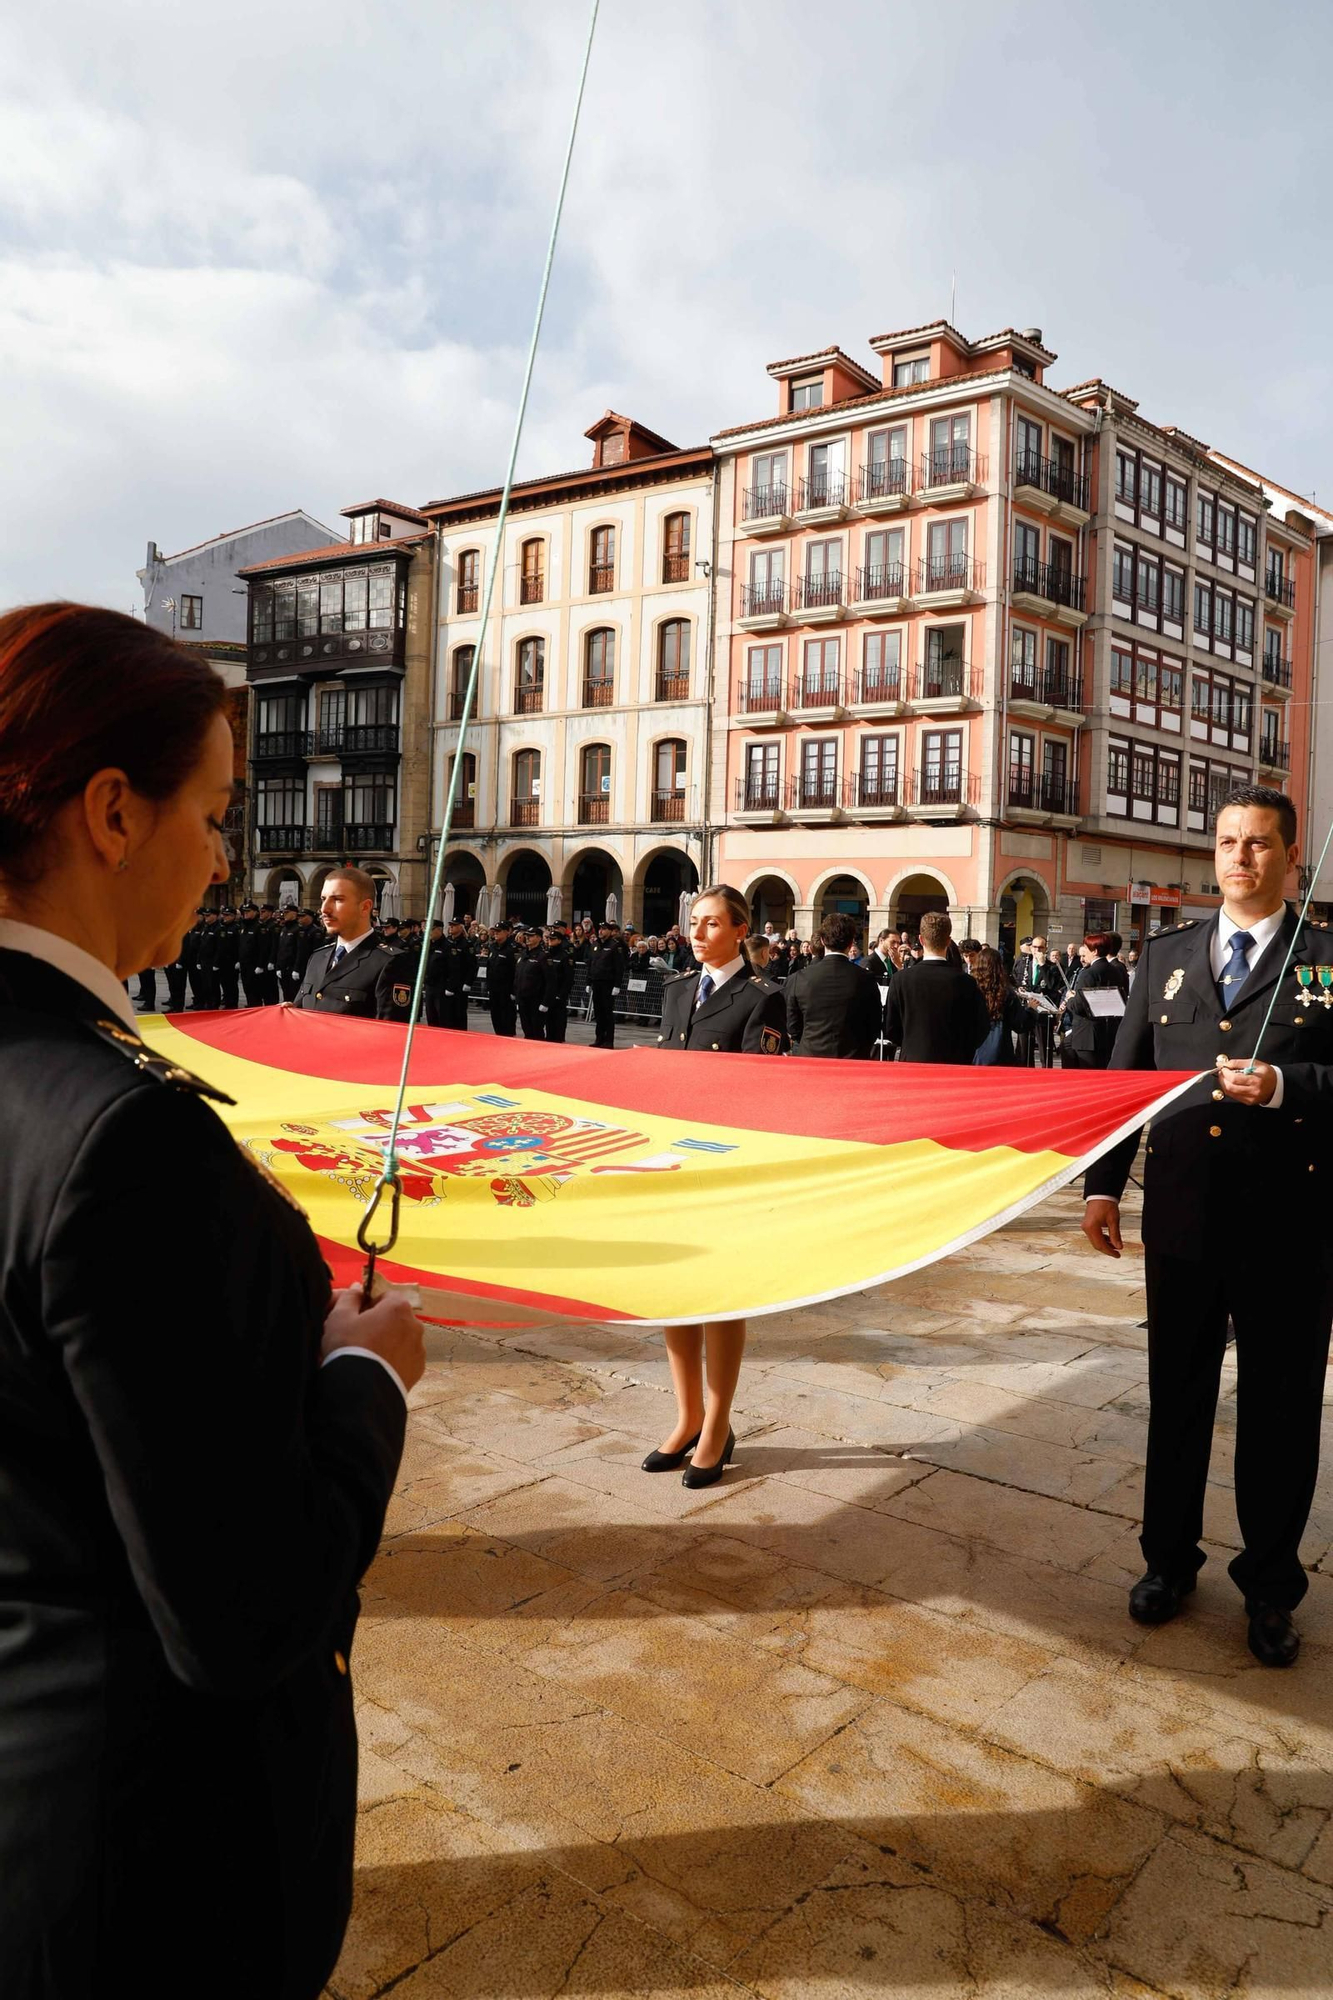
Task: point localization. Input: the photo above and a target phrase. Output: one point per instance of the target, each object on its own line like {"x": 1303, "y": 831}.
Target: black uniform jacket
{"x": 362, "y": 983}
{"x": 608, "y": 965}
{"x": 936, "y": 1015}
{"x": 1218, "y": 1173}
{"x": 745, "y": 1016}
{"x": 1089, "y": 1034}
{"x": 187, "y": 1503}
{"x": 834, "y": 1009}
{"x": 501, "y": 966}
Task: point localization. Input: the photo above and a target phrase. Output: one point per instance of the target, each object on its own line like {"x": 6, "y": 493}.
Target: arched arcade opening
{"x": 668, "y": 876}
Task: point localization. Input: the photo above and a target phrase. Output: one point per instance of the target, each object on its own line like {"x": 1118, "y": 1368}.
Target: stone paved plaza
{"x": 869, "y": 1717}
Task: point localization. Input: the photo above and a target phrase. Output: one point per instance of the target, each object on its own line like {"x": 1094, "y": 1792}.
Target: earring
{"x": 121, "y": 866}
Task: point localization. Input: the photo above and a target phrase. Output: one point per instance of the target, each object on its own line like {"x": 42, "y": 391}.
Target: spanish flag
{"x": 541, "y": 1181}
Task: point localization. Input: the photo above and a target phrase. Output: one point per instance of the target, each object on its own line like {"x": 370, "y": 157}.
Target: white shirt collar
{"x": 76, "y": 964}
{"x": 1261, "y": 935}
{"x": 350, "y": 944}
{"x": 722, "y": 973}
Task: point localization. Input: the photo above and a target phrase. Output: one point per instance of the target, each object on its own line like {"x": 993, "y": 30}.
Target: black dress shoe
{"x": 667, "y": 1461}
{"x": 1273, "y": 1639}
{"x": 708, "y": 1475}
{"x": 1155, "y": 1600}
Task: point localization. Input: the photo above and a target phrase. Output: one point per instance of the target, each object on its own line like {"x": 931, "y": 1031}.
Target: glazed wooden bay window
{"x": 370, "y": 721}
{"x": 1142, "y": 782}
{"x": 1221, "y": 711}
{"x": 1146, "y": 687}
{"x": 360, "y": 599}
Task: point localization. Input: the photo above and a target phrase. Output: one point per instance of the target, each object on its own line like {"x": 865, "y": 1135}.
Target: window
{"x": 369, "y": 809}
{"x": 1203, "y": 609}
{"x": 1244, "y": 625}
{"x": 1221, "y": 710}
{"x": 595, "y": 784}
{"x": 602, "y": 560}
{"x": 1029, "y": 449}
{"x": 284, "y": 609}
{"x": 1056, "y": 792}
{"x": 599, "y": 668}
{"x": 1148, "y": 582}
{"x": 1173, "y": 595}
{"x": 883, "y": 573}
{"x": 280, "y": 802}
{"x": 941, "y": 767}
{"x": 878, "y": 781}
{"x": 1226, "y": 531}
{"x": 530, "y": 676}
{"x": 881, "y": 667}
{"x": 768, "y": 494}
{"x": 808, "y": 393}
{"x": 669, "y": 780}
{"x": 1223, "y": 615}
{"x": 821, "y": 678}
{"x": 1022, "y": 768}
{"x": 762, "y": 782}
{"x": 1122, "y": 573}
{"x": 819, "y": 771}
{"x": 372, "y": 707}
{"x": 1023, "y": 664}
{"x": 192, "y": 614}
{"x": 1142, "y": 782}
{"x": 526, "y": 788}
{"x": 823, "y": 572}
{"x": 381, "y": 595}
{"x": 673, "y": 660}
{"x": 763, "y": 679}
{"x": 460, "y": 674}
{"x": 261, "y": 614}
{"x": 307, "y": 605}
{"x": 332, "y": 718}
{"x": 676, "y": 549}
{"x": 1127, "y": 478}
{"x": 945, "y": 670}
{"x": 1245, "y": 540}
{"x": 1177, "y": 503}
{"x": 469, "y": 579}
{"x": 279, "y": 724}
{"x": 950, "y": 454}
{"x": 356, "y": 600}
{"x": 1150, "y": 489}
{"x": 946, "y": 556}
{"x": 1058, "y": 688}
{"x": 1117, "y": 768}
{"x": 532, "y": 579}
{"x": 1203, "y": 517}
{"x": 465, "y": 798}
{"x": 768, "y": 582}
{"x": 1027, "y": 556}
{"x": 917, "y": 369}
{"x": 885, "y": 469}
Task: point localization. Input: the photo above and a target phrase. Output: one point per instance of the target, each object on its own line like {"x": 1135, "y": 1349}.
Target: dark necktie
{"x": 706, "y": 985}
{"x": 1235, "y": 971}
{"x": 339, "y": 953}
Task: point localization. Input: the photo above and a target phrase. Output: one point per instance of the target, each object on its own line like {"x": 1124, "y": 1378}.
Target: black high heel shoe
{"x": 708, "y": 1475}
{"x": 667, "y": 1461}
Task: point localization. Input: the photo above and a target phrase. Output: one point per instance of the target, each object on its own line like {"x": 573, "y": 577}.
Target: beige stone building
{"x": 585, "y": 765}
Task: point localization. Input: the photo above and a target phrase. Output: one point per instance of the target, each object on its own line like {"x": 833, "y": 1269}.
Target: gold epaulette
{"x": 149, "y": 1063}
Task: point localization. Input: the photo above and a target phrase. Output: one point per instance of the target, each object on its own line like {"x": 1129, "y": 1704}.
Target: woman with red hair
{"x": 198, "y": 1439}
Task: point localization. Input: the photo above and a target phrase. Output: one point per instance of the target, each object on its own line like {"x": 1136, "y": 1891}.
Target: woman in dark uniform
{"x": 726, "y": 1008}
{"x": 197, "y": 1438}
{"x": 1091, "y": 1037}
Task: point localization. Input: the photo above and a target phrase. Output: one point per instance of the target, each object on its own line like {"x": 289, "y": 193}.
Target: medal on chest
{"x": 1305, "y": 980}
{"x": 1174, "y": 984}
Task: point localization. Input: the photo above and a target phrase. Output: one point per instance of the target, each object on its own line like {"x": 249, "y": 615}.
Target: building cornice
{"x": 592, "y": 483}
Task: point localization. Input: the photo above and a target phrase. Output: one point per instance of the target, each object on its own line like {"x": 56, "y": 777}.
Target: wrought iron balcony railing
{"x": 764, "y": 503}
{"x": 876, "y": 581}
{"x": 952, "y": 465}
{"x": 884, "y": 479}
{"x": 1031, "y": 469}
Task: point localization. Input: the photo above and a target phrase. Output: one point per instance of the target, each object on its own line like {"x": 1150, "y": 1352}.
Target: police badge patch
{"x": 402, "y": 996}
{"x": 770, "y": 1042}
{"x": 1174, "y": 984}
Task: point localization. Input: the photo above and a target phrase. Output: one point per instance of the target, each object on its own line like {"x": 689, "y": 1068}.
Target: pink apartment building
{"x": 987, "y": 645}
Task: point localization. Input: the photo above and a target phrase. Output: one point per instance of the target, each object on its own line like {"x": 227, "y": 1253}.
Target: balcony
{"x": 884, "y": 688}
{"x": 364, "y": 739}
{"x": 953, "y": 473}
{"x": 1277, "y": 672}
{"x": 819, "y": 600}
{"x": 464, "y": 814}
{"x": 276, "y": 746}
{"x": 884, "y": 486}
{"x": 676, "y": 569}
{"x": 668, "y": 808}
{"x": 946, "y": 687}
{"x": 1043, "y": 483}
{"x": 766, "y": 510}
{"x": 817, "y": 696}
{"x": 599, "y": 694}
{"x": 672, "y": 687}
{"x": 366, "y": 837}
{"x": 763, "y": 607}
{"x": 1059, "y": 796}
{"x": 883, "y": 590}
{"x": 525, "y": 812}
{"x": 1281, "y": 594}
{"x": 467, "y": 598}
{"x": 282, "y": 839}
{"x": 528, "y": 700}
{"x": 532, "y": 587}
{"x": 601, "y": 578}
{"x": 873, "y": 797}
{"x": 762, "y": 698}
{"x": 594, "y": 809}
{"x": 942, "y": 792}
{"x": 1274, "y": 756}
{"x": 760, "y": 798}
{"x": 817, "y": 795}
{"x": 1040, "y": 696}
{"x": 949, "y": 580}
{"x": 1050, "y": 590}
{"x": 328, "y": 740}
{"x": 1038, "y": 796}
{"x": 823, "y": 498}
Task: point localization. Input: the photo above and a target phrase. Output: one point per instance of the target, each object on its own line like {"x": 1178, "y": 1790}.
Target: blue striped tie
{"x": 706, "y": 985}
{"x": 1236, "y": 970}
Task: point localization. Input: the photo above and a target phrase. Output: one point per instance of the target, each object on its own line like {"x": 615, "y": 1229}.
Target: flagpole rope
{"x": 389, "y": 1175}
{"x": 1304, "y": 912}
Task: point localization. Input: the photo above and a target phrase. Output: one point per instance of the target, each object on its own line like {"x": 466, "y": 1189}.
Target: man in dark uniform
{"x": 724, "y": 1007}
{"x": 532, "y": 984}
{"x": 146, "y": 997}
{"x": 287, "y": 953}
{"x": 501, "y": 967}
{"x": 607, "y": 973}
{"x": 226, "y": 946}
{"x": 1234, "y": 1188}
{"x": 269, "y": 991}
{"x": 560, "y": 975}
{"x": 353, "y": 973}
{"x": 834, "y": 1008}
{"x": 450, "y": 971}
{"x": 203, "y": 981}
{"x": 177, "y": 973}
{"x": 251, "y": 946}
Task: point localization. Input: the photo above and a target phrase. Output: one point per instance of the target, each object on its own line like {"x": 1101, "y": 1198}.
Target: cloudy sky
{"x": 283, "y": 254}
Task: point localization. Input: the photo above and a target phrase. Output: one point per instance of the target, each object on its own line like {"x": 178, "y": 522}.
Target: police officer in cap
{"x": 607, "y": 973}
{"x": 1235, "y": 1219}
{"x": 501, "y": 972}
{"x": 532, "y": 985}
{"x": 353, "y": 973}
{"x": 251, "y": 946}
{"x": 450, "y": 971}
{"x": 560, "y": 975}
{"x": 203, "y": 979}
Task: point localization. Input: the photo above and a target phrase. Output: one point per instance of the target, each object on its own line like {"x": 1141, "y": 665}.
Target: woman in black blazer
{"x": 197, "y": 1438}
{"x": 1091, "y": 1037}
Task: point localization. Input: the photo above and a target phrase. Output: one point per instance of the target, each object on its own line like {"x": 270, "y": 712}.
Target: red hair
{"x": 84, "y": 690}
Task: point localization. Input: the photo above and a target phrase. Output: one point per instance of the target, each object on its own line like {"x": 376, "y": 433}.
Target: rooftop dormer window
{"x": 808, "y": 393}
{"x": 915, "y": 369}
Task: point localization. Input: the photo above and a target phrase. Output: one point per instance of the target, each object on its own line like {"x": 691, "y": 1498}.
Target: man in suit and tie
{"x": 834, "y": 1008}
{"x": 936, "y": 1015}
{"x": 354, "y": 973}
{"x": 1235, "y": 1192}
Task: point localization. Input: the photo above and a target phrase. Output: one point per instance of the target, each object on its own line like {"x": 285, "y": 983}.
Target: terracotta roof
{"x": 612, "y": 419}
{"x": 1238, "y": 465}
{"x": 960, "y": 340}
{"x": 1014, "y": 333}
{"x": 911, "y": 332}
{"x": 230, "y": 534}
{"x": 625, "y": 474}
{"x": 333, "y": 549}
{"x": 834, "y": 353}
{"x": 385, "y": 506}
{"x": 1096, "y": 382}
{"x": 859, "y": 402}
